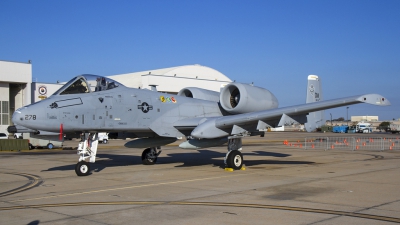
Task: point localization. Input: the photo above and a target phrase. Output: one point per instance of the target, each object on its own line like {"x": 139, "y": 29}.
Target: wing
{"x": 238, "y": 124}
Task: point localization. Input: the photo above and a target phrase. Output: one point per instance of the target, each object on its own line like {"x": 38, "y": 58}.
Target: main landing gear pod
{"x": 87, "y": 150}
{"x": 234, "y": 158}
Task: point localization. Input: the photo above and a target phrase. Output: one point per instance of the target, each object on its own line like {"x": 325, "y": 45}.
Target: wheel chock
{"x": 231, "y": 169}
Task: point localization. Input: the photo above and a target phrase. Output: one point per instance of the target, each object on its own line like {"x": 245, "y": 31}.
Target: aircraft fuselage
{"x": 123, "y": 109}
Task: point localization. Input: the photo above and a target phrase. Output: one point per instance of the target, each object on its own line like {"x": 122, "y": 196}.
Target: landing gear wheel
{"x": 235, "y": 160}
{"x": 50, "y": 146}
{"x": 82, "y": 168}
{"x": 105, "y": 141}
{"x": 149, "y": 156}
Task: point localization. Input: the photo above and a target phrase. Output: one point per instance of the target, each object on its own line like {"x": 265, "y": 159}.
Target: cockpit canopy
{"x": 86, "y": 84}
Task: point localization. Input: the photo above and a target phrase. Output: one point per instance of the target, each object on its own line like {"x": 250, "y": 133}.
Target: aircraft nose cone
{"x": 17, "y": 117}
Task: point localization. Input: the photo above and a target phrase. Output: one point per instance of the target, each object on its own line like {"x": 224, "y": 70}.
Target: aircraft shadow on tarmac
{"x": 191, "y": 159}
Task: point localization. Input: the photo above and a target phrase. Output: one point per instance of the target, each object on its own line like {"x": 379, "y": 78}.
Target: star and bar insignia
{"x": 145, "y": 107}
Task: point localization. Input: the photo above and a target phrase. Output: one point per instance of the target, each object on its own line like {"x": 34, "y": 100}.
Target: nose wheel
{"x": 82, "y": 168}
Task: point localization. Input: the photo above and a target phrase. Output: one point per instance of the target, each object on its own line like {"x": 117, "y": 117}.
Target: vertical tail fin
{"x": 314, "y": 94}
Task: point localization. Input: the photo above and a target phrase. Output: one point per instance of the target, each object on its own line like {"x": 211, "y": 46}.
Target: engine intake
{"x": 237, "y": 98}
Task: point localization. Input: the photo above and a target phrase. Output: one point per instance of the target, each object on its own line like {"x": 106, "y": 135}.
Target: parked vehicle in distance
{"x": 340, "y": 129}
{"x": 362, "y": 127}
{"x": 43, "y": 141}
{"x": 352, "y": 129}
{"x": 103, "y": 138}
{"x": 3, "y": 136}
{"x": 394, "y": 128}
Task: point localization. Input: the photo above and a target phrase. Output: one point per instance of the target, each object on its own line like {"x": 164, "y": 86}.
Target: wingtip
{"x": 374, "y": 99}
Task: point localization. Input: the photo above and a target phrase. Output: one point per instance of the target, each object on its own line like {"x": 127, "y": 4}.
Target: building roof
{"x": 188, "y": 71}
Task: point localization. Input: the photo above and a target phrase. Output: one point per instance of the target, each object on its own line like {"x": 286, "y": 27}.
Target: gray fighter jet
{"x": 91, "y": 104}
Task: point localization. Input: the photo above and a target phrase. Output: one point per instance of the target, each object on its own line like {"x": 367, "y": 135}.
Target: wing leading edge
{"x": 235, "y": 124}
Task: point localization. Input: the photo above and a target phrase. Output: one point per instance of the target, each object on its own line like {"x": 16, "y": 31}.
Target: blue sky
{"x": 354, "y": 46}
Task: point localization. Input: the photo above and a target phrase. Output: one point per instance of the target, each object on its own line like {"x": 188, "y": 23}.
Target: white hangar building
{"x": 169, "y": 80}
{"x": 17, "y": 88}
{"x": 172, "y": 80}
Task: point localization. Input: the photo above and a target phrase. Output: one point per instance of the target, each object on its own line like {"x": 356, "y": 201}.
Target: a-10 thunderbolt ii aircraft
{"x": 90, "y": 104}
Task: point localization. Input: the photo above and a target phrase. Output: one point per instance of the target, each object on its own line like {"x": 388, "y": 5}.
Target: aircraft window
{"x": 87, "y": 83}
{"x": 103, "y": 84}
{"x": 79, "y": 86}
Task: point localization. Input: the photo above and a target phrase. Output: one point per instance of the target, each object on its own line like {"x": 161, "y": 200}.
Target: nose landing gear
{"x": 87, "y": 150}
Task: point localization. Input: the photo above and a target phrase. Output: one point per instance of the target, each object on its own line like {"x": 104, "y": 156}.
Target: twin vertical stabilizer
{"x": 314, "y": 94}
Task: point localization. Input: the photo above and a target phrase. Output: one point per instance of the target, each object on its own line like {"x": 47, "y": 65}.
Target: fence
{"x": 349, "y": 143}
{"x": 14, "y": 144}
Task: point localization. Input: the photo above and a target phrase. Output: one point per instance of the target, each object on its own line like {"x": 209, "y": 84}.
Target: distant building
{"x": 364, "y": 118}
{"x": 15, "y": 89}
{"x": 170, "y": 80}
{"x": 173, "y": 79}
{"x": 42, "y": 91}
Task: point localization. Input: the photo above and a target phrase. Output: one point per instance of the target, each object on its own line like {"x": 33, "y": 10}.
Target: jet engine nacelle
{"x": 237, "y": 98}
{"x": 199, "y": 93}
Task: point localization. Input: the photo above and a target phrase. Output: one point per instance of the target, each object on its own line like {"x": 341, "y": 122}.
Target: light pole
{"x": 347, "y": 116}
{"x": 331, "y": 118}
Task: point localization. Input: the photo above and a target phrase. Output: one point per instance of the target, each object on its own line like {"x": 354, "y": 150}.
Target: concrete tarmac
{"x": 281, "y": 185}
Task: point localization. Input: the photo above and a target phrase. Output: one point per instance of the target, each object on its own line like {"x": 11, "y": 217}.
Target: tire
{"x": 147, "y": 159}
{"x": 50, "y": 146}
{"x": 235, "y": 160}
{"x": 105, "y": 141}
{"x": 82, "y": 168}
